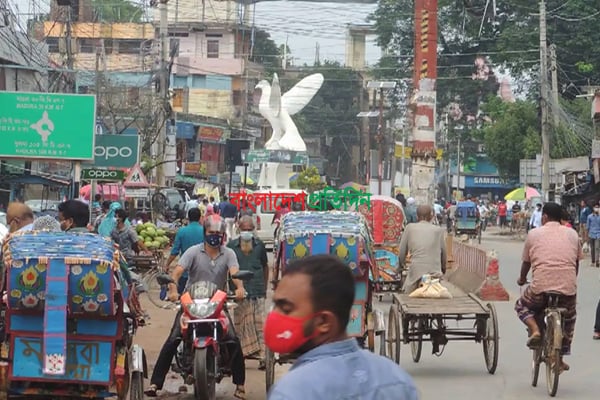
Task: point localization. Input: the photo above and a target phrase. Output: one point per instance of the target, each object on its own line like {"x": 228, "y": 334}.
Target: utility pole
{"x": 380, "y": 140}
{"x": 554, "y": 75}
{"x": 544, "y": 103}
{"x": 458, "y": 165}
{"x": 72, "y": 86}
{"x": 163, "y": 93}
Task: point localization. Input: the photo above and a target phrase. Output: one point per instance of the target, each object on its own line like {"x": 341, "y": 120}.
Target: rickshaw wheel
{"x": 136, "y": 386}
{"x": 269, "y": 369}
{"x": 416, "y": 342}
{"x": 393, "y": 335}
{"x": 490, "y": 342}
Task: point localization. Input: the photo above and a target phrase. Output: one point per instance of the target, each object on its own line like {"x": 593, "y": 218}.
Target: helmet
{"x": 214, "y": 223}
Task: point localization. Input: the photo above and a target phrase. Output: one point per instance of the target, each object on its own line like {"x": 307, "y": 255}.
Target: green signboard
{"x": 275, "y": 156}
{"x": 102, "y": 174}
{"x": 116, "y": 151}
{"x": 47, "y": 125}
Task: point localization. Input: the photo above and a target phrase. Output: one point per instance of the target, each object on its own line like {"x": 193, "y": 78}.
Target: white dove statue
{"x": 278, "y": 109}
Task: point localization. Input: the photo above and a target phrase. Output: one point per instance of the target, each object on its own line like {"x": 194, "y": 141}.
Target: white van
{"x": 265, "y": 229}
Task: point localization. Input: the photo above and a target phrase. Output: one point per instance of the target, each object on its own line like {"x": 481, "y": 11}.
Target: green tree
{"x": 266, "y": 52}
{"x": 117, "y": 11}
{"x": 510, "y": 134}
{"x": 309, "y": 180}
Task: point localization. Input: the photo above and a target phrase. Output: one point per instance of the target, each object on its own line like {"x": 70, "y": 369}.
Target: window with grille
{"x": 212, "y": 48}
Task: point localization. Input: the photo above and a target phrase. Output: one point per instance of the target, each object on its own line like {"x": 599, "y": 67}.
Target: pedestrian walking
{"x": 249, "y": 315}
{"x": 593, "y": 231}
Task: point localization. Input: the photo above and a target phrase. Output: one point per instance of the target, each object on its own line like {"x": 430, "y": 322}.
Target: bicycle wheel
{"x": 154, "y": 290}
{"x": 552, "y": 345}
{"x": 393, "y": 335}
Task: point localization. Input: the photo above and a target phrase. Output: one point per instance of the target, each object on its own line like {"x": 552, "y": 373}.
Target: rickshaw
{"x": 386, "y": 221}
{"x": 344, "y": 234}
{"x": 467, "y": 221}
{"x": 71, "y": 312}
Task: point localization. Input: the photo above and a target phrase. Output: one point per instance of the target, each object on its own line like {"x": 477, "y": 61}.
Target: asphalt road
{"x": 460, "y": 372}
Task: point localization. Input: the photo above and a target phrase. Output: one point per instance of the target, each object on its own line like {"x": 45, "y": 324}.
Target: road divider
{"x": 473, "y": 270}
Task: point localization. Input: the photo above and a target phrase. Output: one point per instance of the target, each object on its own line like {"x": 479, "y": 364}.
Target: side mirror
{"x": 164, "y": 279}
{"x": 243, "y": 275}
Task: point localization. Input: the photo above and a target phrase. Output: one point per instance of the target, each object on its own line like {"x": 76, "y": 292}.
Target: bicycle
{"x": 549, "y": 352}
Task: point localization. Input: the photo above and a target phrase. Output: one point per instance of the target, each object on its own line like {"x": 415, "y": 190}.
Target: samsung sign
{"x": 484, "y": 181}
{"x": 116, "y": 151}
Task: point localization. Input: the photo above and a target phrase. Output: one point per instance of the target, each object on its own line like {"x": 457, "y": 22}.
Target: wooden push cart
{"x": 417, "y": 320}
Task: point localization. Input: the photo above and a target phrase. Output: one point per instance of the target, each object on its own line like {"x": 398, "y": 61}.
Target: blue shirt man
{"x": 186, "y": 237}
{"x": 331, "y": 366}
{"x": 593, "y": 224}
{"x": 227, "y": 209}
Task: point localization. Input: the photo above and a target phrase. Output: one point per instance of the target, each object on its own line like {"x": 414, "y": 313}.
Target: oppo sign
{"x": 116, "y": 151}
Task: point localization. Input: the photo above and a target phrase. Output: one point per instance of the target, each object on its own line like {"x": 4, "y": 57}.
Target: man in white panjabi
{"x": 427, "y": 247}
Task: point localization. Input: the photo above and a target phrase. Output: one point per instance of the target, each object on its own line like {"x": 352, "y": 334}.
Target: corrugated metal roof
{"x": 18, "y": 48}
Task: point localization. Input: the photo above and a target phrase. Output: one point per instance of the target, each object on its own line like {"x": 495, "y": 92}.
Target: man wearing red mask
{"x": 310, "y": 315}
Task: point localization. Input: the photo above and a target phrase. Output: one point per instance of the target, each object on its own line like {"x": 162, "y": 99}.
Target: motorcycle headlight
{"x": 203, "y": 310}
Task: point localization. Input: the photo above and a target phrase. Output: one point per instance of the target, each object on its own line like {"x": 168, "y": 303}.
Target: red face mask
{"x": 285, "y": 334}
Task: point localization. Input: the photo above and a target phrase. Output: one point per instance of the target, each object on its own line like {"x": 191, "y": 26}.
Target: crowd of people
{"x": 313, "y": 299}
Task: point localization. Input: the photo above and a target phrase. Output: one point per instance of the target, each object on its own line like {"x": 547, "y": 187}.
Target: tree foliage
{"x": 266, "y": 52}
{"x": 511, "y": 134}
{"x": 117, "y": 11}
{"x": 309, "y": 180}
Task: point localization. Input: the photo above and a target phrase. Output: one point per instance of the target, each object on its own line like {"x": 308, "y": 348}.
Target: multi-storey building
{"x": 212, "y": 81}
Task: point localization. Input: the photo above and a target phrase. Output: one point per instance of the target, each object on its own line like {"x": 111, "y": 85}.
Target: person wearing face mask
{"x": 126, "y": 237}
{"x": 186, "y": 237}
{"x": 249, "y": 315}
{"x": 536, "y": 217}
{"x": 209, "y": 261}
{"x": 73, "y": 216}
{"x": 312, "y": 306}
{"x": 593, "y": 233}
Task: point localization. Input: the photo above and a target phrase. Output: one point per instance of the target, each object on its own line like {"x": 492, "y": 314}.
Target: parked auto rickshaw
{"x": 70, "y": 313}
{"x": 467, "y": 221}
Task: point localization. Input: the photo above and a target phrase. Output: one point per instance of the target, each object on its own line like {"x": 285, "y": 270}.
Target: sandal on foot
{"x": 240, "y": 394}
{"x": 151, "y": 391}
{"x": 596, "y": 336}
{"x": 564, "y": 366}
{"x": 534, "y": 341}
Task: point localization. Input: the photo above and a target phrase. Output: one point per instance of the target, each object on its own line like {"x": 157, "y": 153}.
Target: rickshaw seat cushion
{"x": 87, "y": 262}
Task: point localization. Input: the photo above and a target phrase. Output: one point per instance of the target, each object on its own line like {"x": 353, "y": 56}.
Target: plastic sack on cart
{"x": 431, "y": 288}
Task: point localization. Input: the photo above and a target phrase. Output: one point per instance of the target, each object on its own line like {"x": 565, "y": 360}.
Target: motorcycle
{"x": 205, "y": 353}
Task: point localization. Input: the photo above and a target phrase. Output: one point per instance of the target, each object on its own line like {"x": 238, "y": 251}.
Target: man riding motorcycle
{"x": 209, "y": 261}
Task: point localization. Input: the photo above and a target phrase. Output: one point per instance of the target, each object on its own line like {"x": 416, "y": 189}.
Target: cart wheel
{"x": 269, "y": 368}
{"x": 416, "y": 339}
{"x": 136, "y": 386}
{"x": 490, "y": 342}
{"x": 393, "y": 335}
{"x": 371, "y": 340}
{"x": 382, "y": 343}
{"x": 535, "y": 366}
